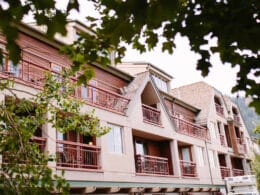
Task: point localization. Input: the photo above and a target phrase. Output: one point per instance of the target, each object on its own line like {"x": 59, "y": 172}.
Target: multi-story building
{"x": 230, "y": 141}
{"x": 158, "y": 142}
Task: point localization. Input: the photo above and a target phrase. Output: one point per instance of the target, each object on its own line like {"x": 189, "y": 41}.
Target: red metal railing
{"x": 236, "y": 118}
{"x": 151, "y": 115}
{"x": 219, "y": 109}
{"x": 105, "y": 99}
{"x": 237, "y": 172}
{"x": 77, "y": 155}
{"x": 188, "y": 128}
{"x": 225, "y": 172}
{"x": 40, "y": 141}
{"x": 222, "y": 140}
{"x": 151, "y": 165}
{"x": 188, "y": 168}
{"x": 27, "y": 71}
{"x": 34, "y": 74}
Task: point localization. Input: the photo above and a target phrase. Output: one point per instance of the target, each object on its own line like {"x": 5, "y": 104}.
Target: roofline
{"x": 150, "y": 64}
{"x": 27, "y": 29}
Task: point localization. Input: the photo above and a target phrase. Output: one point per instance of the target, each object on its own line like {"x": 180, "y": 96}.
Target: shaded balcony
{"x": 219, "y": 109}
{"x": 151, "y": 115}
{"x": 187, "y": 165}
{"x": 152, "y": 165}
{"x": 152, "y": 156}
{"x": 237, "y": 166}
{"x": 238, "y": 172}
{"x": 77, "y": 155}
{"x": 218, "y": 106}
{"x": 241, "y": 146}
{"x": 40, "y": 141}
{"x": 189, "y": 128}
{"x": 225, "y": 172}
{"x": 188, "y": 168}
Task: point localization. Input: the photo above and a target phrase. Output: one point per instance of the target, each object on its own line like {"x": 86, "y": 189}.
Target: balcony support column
{"x": 175, "y": 158}
{"x": 229, "y": 164}
{"x": 49, "y": 133}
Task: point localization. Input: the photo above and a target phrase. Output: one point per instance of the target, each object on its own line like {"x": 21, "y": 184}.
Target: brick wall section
{"x": 198, "y": 94}
{"x": 108, "y": 81}
{"x": 178, "y": 109}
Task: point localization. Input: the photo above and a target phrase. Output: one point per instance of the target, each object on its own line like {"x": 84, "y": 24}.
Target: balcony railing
{"x": 151, "y": 165}
{"x": 188, "y": 168}
{"x": 225, "y": 172}
{"x": 219, "y": 109}
{"x": 237, "y": 172}
{"x": 105, "y": 99}
{"x": 77, "y": 155}
{"x": 222, "y": 140}
{"x": 191, "y": 129}
{"x": 40, "y": 141}
{"x": 33, "y": 74}
{"x": 151, "y": 115}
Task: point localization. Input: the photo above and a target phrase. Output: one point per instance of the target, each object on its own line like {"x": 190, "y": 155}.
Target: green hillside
{"x": 250, "y": 118}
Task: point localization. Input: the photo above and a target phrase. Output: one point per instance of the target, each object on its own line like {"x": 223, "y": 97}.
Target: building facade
{"x": 160, "y": 140}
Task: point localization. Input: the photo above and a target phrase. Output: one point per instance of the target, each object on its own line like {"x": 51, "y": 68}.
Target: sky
{"x": 181, "y": 64}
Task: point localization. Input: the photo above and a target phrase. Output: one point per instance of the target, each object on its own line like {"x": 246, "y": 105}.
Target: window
{"x": 115, "y": 139}
{"x": 211, "y": 159}
{"x": 89, "y": 92}
{"x": 141, "y": 147}
{"x": 161, "y": 84}
{"x": 212, "y": 130}
{"x": 14, "y": 69}
{"x": 200, "y": 156}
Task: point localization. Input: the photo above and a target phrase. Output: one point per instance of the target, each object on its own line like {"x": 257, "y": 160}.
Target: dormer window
{"x": 160, "y": 83}
{"x": 218, "y": 106}
{"x": 235, "y": 114}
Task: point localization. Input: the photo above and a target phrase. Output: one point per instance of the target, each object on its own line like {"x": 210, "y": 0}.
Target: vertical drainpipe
{"x": 211, "y": 178}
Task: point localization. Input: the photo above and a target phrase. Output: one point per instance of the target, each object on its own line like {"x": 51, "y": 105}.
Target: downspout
{"x": 211, "y": 178}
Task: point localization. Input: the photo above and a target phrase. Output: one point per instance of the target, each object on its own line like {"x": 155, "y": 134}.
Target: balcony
{"x": 241, "y": 146}
{"x": 236, "y": 118}
{"x": 151, "y": 165}
{"x": 222, "y": 140}
{"x": 237, "y": 172}
{"x": 225, "y": 172}
{"x": 33, "y": 74}
{"x": 188, "y": 168}
{"x": 40, "y": 141}
{"x": 105, "y": 99}
{"x": 151, "y": 115}
{"x": 219, "y": 109}
{"x": 77, "y": 155}
{"x": 188, "y": 128}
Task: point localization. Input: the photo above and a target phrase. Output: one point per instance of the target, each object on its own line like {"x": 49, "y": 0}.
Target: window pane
{"x": 110, "y": 136}
{"x": 186, "y": 154}
{"x": 84, "y": 93}
{"x": 115, "y": 139}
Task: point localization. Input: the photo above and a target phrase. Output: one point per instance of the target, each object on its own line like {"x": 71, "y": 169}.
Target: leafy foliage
{"x": 24, "y": 169}
{"x": 256, "y": 162}
{"x": 234, "y": 23}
